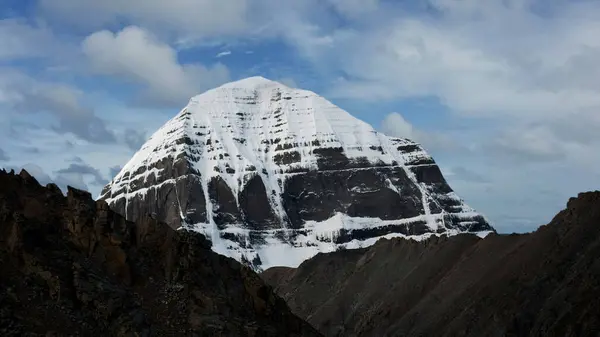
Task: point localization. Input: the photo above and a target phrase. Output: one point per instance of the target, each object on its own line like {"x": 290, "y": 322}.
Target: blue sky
{"x": 505, "y": 94}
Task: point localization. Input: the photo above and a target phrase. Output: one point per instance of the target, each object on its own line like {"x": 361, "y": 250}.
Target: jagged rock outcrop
{"x": 69, "y": 266}
{"x": 263, "y": 169}
{"x": 546, "y": 283}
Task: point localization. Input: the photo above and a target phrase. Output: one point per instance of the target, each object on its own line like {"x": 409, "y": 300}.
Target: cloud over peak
{"x": 135, "y": 55}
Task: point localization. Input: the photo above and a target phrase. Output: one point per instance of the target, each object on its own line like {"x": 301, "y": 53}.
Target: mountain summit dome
{"x": 273, "y": 175}
{"x": 254, "y": 82}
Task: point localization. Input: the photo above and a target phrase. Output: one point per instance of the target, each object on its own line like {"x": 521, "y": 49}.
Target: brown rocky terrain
{"x": 545, "y": 283}
{"x": 69, "y": 266}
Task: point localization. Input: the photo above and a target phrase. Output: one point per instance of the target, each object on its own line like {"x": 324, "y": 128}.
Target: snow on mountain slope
{"x": 273, "y": 175}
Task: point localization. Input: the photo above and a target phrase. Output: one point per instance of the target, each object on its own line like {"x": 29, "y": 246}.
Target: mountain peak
{"x": 273, "y": 175}
{"x": 252, "y": 83}
{"x": 242, "y": 89}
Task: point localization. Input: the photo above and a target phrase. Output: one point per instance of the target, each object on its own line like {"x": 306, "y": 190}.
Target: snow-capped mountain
{"x": 273, "y": 175}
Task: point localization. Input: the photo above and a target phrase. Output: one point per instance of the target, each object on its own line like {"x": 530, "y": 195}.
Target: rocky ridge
{"x": 545, "y": 283}
{"x": 69, "y": 266}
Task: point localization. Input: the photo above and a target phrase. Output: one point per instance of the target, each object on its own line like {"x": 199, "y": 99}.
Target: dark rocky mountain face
{"x": 546, "y": 283}
{"x": 69, "y": 266}
{"x": 261, "y": 168}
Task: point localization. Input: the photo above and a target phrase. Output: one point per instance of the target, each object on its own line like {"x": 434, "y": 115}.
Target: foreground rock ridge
{"x": 69, "y": 266}
{"x": 546, "y": 283}
{"x": 273, "y": 175}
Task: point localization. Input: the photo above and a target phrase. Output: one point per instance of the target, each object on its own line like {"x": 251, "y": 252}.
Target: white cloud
{"x": 198, "y": 22}
{"x": 355, "y": 8}
{"x": 3, "y": 156}
{"x": 472, "y": 60}
{"x": 290, "y": 82}
{"x": 37, "y": 172}
{"x": 549, "y": 142}
{"x": 78, "y": 175}
{"x": 22, "y": 95}
{"x": 223, "y": 53}
{"x": 472, "y": 76}
{"x": 54, "y": 156}
{"x": 24, "y": 40}
{"x": 395, "y": 125}
{"x": 135, "y": 55}
{"x": 18, "y": 39}
{"x": 194, "y": 17}
{"x": 535, "y": 141}
{"x": 531, "y": 75}
{"x": 530, "y": 67}
{"x": 466, "y": 174}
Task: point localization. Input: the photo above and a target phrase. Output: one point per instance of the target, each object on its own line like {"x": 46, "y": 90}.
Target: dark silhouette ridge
{"x": 71, "y": 266}
{"x": 545, "y": 283}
